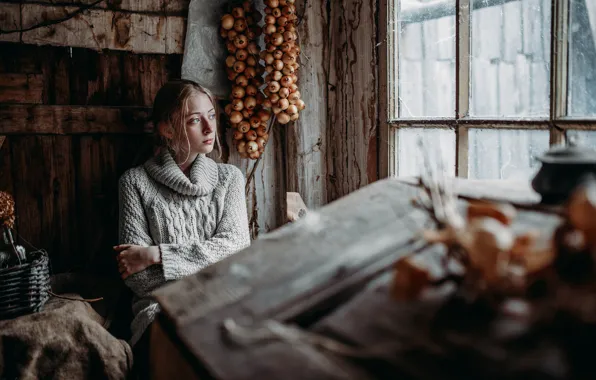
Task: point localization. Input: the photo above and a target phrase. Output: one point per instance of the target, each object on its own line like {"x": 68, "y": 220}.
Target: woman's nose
{"x": 207, "y": 126}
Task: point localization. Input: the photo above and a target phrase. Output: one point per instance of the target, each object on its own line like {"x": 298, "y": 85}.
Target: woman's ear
{"x": 166, "y": 130}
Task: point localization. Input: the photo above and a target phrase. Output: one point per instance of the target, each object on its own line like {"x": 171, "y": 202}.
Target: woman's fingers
{"x": 122, "y": 247}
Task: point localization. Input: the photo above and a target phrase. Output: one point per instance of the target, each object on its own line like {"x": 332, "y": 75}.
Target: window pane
{"x": 510, "y": 55}
{"x": 583, "y": 138}
{"x": 505, "y": 153}
{"x": 439, "y": 143}
{"x": 582, "y": 58}
{"x": 426, "y": 59}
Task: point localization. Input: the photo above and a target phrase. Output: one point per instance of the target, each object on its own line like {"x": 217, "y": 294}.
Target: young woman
{"x": 180, "y": 211}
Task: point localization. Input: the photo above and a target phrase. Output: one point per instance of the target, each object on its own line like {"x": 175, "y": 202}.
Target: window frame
{"x": 557, "y": 122}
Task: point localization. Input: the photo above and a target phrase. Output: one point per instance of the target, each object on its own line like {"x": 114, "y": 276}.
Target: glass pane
{"x": 439, "y": 143}
{"x": 510, "y": 55}
{"x": 582, "y": 58}
{"x": 583, "y": 138}
{"x": 505, "y": 153}
{"x": 426, "y": 61}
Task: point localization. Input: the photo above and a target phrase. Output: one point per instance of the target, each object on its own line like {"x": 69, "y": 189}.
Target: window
{"x": 487, "y": 84}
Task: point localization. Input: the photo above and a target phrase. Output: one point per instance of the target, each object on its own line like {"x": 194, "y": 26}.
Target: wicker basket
{"x": 24, "y": 288}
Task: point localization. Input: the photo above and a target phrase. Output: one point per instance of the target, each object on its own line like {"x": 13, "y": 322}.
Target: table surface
{"x": 307, "y": 273}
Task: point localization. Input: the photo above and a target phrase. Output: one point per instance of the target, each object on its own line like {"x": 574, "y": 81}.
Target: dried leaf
{"x": 409, "y": 279}
{"x": 503, "y": 212}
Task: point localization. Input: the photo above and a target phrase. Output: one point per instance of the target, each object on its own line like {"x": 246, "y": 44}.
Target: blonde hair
{"x": 170, "y": 106}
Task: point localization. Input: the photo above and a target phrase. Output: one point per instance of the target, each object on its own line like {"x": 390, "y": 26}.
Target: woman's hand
{"x": 135, "y": 258}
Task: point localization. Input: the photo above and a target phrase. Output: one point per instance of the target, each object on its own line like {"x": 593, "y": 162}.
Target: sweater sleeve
{"x": 134, "y": 229}
{"x": 232, "y": 234}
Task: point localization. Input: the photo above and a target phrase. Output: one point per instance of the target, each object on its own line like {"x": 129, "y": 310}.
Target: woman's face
{"x": 200, "y": 124}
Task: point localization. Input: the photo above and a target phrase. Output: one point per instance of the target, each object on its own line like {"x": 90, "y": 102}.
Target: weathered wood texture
{"x": 302, "y": 271}
{"x": 62, "y": 158}
{"x": 20, "y": 119}
{"x": 306, "y": 140}
{"x": 163, "y": 7}
{"x": 93, "y": 28}
{"x": 351, "y": 144}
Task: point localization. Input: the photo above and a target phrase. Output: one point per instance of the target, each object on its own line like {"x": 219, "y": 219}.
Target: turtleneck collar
{"x": 203, "y": 174}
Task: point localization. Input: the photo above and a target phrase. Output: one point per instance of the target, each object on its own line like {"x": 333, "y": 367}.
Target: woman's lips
{"x": 208, "y": 141}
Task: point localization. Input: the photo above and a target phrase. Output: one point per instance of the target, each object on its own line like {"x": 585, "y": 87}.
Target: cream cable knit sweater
{"x": 195, "y": 221}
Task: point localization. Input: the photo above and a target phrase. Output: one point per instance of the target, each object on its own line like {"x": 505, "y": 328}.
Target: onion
{"x": 241, "y": 147}
{"x": 278, "y": 54}
{"x": 274, "y": 98}
{"x": 223, "y": 33}
{"x": 239, "y": 66}
{"x": 247, "y": 6}
{"x": 251, "y": 135}
{"x": 282, "y": 21}
{"x": 241, "y": 54}
{"x": 251, "y": 90}
{"x": 250, "y": 102}
{"x": 283, "y": 118}
{"x": 261, "y": 142}
{"x": 238, "y": 92}
{"x": 267, "y": 103}
{"x": 227, "y": 21}
{"x": 242, "y": 80}
{"x": 300, "y": 104}
{"x": 237, "y": 104}
{"x": 238, "y": 12}
{"x": 261, "y": 130}
{"x": 230, "y": 60}
{"x": 255, "y": 121}
{"x": 276, "y": 76}
{"x": 238, "y": 135}
{"x": 240, "y": 25}
{"x": 270, "y": 28}
{"x": 294, "y": 78}
{"x": 269, "y": 19}
{"x": 273, "y": 86}
{"x": 250, "y": 72}
{"x": 264, "y": 115}
{"x": 277, "y": 39}
{"x": 294, "y": 97}
{"x": 289, "y": 36}
{"x": 286, "y": 81}
{"x": 244, "y": 126}
{"x": 294, "y": 117}
{"x": 252, "y": 146}
{"x": 270, "y": 48}
{"x": 268, "y": 58}
{"x": 251, "y": 61}
{"x": 232, "y": 34}
{"x": 254, "y": 155}
{"x": 288, "y": 59}
{"x": 228, "y": 109}
{"x": 276, "y": 12}
{"x": 278, "y": 65}
{"x": 246, "y": 113}
{"x": 293, "y": 87}
{"x": 269, "y": 69}
{"x": 272, "y": 3}
{"x": 241, "y": 41}
{"x": 288, "y": 10}
{"x": 253, "y": 48}
{"x": 283, "y": 104}
{"x": 292, "y": 109}
{"x": 276, "y": 109}
{"x": 231, "y": 47}
{"x": 288, "y": 70}
{"x": 284, "y": 92}
{"x": 286, "y": 47}
{"x": 235, "y": 117}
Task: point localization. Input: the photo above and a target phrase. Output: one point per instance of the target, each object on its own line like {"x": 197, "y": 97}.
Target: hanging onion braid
{"x": 6, "y": 210}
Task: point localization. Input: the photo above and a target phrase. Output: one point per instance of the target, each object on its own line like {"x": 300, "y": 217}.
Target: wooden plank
{"x": 247, "y": 285}
{"x": 44, "y": 180}
{"x": 21, "y": 88}
{"x": 10, "y": 19}
{"x": 591, "y": 7}
{"x": 163, "y": 7}
{"x": 352, "y": 104}
{"x": 23, "y": 119}
{"x": 306, "y": 139}
{"x": 99, "y": 29}
{"x": 6, "y": 182}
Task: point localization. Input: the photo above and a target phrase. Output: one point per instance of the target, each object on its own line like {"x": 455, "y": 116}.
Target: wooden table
{"x": 326, "y": 273}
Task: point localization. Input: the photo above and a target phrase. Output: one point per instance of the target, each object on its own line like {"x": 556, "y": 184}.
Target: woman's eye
{"x": 195, "y": 120}
{"x": 212, "y": 117}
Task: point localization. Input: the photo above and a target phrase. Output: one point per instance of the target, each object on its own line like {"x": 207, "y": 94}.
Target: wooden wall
{"x": 75, "y": 117}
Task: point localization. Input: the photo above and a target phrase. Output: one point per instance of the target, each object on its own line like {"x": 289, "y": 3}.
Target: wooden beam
{"x": 96, "y": 29}
{"x": 21, "y": 88}
{"x": 60, "y": 120}
{"x": 163, "y": 7}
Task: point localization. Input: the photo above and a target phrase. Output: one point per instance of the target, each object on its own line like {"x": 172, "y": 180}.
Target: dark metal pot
{"x": 563, "y": 169}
